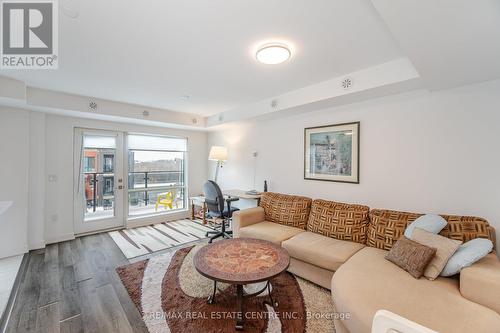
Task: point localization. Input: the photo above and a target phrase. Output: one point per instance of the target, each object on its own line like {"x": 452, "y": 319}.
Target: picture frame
{"x": 331, "y": 153}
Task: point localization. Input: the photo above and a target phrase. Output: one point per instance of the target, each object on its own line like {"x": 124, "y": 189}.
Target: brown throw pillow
{"x": 445, "y": 248}
{"x": 411, "y": 256}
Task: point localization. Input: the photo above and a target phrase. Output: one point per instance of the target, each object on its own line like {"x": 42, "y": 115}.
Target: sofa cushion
{"x": 320, "y": 276}
{"x": 480, "y": 282}
{"x": 387, "y": 226}
{"x": 339, "y": 220}
{"x": 367, "y": 283}
{"x": 290, "y": 210}
{"x": 270, "y": 231}
{"x": 324, "y": 252}
{"x": 465, "y": 228}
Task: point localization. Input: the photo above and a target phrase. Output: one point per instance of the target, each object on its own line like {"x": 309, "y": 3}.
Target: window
{"x": 89, "y": 164}
{"x": 108, "y": 185}
{"x": 108, "y": 163}
{"x": 156, "y": 179}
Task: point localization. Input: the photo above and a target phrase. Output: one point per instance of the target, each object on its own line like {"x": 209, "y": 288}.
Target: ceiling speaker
{"x": 346, "y": 83}
{"x": 92, "y": 106}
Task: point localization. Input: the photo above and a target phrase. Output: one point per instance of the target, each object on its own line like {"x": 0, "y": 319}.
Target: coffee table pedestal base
{"x": 240, "y": 302}
{"x": 240, "y": 319}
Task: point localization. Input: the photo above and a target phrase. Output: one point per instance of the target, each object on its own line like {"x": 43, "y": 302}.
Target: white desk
{"x": 246, "y": 201}
{"x": 241, "y": 194}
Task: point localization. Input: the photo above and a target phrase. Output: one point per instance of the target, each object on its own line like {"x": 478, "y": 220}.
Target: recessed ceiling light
{"x": 273, "y": 54}
{"x": 185, "y": 97}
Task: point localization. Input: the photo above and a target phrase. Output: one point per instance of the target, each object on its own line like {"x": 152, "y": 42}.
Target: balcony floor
{"x": 134, "y": 211}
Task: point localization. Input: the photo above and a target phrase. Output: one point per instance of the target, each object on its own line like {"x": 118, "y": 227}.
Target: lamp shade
{"x": 218, "y": 153}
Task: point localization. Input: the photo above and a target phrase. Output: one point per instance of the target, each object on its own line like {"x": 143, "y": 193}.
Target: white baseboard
{"x": 37, "y": 245}
{"x": 14, "y": 252}
{"x": 60, "y": 238}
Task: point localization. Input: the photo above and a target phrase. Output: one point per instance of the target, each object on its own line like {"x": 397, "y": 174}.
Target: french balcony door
{"x": 118, "y": 180}
{"x": 99, "y": 183}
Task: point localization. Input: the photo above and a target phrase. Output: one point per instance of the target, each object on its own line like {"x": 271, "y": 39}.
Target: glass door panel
{"x": 99, "y": 190}
{"x": 99, "y": 179}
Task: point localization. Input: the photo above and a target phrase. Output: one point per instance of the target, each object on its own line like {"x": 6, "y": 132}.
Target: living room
{"x": 251, "y": 166}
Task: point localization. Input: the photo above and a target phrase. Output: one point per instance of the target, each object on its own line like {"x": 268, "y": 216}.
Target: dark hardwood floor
{"x": 73, "y": 287}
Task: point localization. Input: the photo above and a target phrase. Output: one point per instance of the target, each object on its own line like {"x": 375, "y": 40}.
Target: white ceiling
{"x": 152, "y": 52}
{"x": 450, "y": 42}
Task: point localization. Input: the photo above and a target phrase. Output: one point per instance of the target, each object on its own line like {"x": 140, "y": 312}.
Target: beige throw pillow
{"x": 410, "y": 256}
{"x": 445, "y": 248}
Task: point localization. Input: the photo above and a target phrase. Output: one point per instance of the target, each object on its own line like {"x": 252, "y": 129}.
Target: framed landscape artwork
{"x": 331, "y": 153}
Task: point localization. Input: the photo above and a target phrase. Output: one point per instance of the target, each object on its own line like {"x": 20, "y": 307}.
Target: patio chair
{"x": 167, "y": 199}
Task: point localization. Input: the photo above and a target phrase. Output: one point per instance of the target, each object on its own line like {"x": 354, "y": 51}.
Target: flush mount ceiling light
{"x": 273, "y": 54}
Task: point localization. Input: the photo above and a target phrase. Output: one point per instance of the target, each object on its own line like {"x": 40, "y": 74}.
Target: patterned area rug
{"x": 172, "y": 297}
{"x": 143, "y": 240}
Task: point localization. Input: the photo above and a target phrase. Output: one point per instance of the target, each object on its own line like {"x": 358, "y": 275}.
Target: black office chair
{"x": 215, "y": 204}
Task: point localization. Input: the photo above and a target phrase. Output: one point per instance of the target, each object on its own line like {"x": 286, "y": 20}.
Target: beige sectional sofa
{"x": 342, "y": 247}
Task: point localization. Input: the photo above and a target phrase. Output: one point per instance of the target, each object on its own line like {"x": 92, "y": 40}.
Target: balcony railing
{"x": 143, "y": 188}
{"x": 96, "y": 195}
{"x": 155, "y": 181}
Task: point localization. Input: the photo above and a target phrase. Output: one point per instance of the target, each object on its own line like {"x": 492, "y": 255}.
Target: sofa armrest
{"x": 480, "y": 282}
{"x": 246, "y": 217}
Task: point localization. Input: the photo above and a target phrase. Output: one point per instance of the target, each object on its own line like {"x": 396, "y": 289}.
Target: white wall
{"x": 14, "y": 159}
{"x": 424, "y": 152}
{"x": 36, "y": 209}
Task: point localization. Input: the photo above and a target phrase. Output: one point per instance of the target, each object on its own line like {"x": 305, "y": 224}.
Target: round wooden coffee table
{"x": 241, "y": 261}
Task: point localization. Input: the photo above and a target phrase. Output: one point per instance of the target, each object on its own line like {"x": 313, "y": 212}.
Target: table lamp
{"x": 219, "y": 154}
